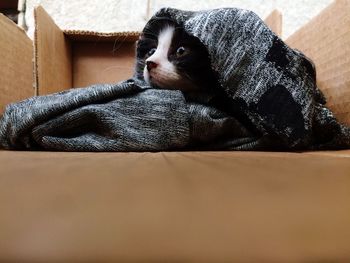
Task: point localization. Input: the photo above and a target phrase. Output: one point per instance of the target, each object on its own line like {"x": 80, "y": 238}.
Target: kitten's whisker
{"x": 120, "y": 44}
{"x": 115, "y": 41}
{"x": 167, "y": 72}
{"x": 112, "y": 67}
{"x": 188, "y": 76}
{"x": 154, "y": 34}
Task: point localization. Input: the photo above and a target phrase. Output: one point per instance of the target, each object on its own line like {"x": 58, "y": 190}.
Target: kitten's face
{"x": 172, "y": 59}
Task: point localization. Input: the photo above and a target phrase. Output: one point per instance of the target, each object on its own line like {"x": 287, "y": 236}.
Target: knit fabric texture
{"x": 267, "y": 100}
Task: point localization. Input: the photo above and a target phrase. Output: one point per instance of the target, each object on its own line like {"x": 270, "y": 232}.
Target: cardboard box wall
{"x": 16, "y": 65}
{"x": 64, "y": 60}
{"x": 326, "y": 39}
{"x": 161, "y": 207}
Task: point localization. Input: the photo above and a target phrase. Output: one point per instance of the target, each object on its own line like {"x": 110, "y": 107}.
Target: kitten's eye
{"x": 181, "y": 51}
{"x": 151, "y": 52}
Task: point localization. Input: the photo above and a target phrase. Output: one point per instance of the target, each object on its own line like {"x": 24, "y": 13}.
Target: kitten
{"x": 170, "y": 58}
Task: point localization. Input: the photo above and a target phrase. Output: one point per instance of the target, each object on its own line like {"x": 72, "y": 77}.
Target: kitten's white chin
{"x": 160, "y": 79}
{"x": 146, "y": 77}
{"x": 168, "y": 80}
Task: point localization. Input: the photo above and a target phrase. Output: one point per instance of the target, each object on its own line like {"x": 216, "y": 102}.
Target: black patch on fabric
{"x": 309, "y": 68}
{"x": 235, "y": 107}
{"x": 237, "y": 77}
{"x": 278, "y": 53}
{"x": 280, "y": 110}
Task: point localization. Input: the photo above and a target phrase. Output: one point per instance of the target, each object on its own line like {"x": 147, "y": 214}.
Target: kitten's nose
{"x": 150, "y": 65}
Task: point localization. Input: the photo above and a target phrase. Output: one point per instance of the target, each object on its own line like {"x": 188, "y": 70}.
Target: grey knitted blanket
{"x": 267, "y": 100}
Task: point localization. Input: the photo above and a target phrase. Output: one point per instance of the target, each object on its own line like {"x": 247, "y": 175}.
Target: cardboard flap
{"x": 274, "y": 21}
{"x": 16, "y": 67}
{"x": 326, "y": 40}
{"x": 52, "y": 52}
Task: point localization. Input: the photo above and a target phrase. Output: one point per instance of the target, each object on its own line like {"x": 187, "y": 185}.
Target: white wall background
{"x": 131, "y": 15}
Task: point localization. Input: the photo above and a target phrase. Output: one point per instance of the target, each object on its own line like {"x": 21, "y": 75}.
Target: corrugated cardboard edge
{"x": 16, "y": 53}
{"x": 84, "y": 35}
{"x": 326, "y": 40}
{"x": 274, "y": 21}
{"x": 52, "y": 55}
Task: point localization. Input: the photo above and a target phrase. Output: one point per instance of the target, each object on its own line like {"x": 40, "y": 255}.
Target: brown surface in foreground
{"x": 181, "y": 206}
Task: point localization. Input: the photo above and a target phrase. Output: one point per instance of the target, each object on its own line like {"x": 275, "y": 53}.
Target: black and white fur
{"x": 169, "y": 58}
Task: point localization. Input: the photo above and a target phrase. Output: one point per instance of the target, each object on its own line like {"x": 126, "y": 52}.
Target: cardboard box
{"x": 161, "y": 207}
{"x": 64, "y": 60}
{"x": 16, "y": 66}
{"x": 326, "y": 39}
